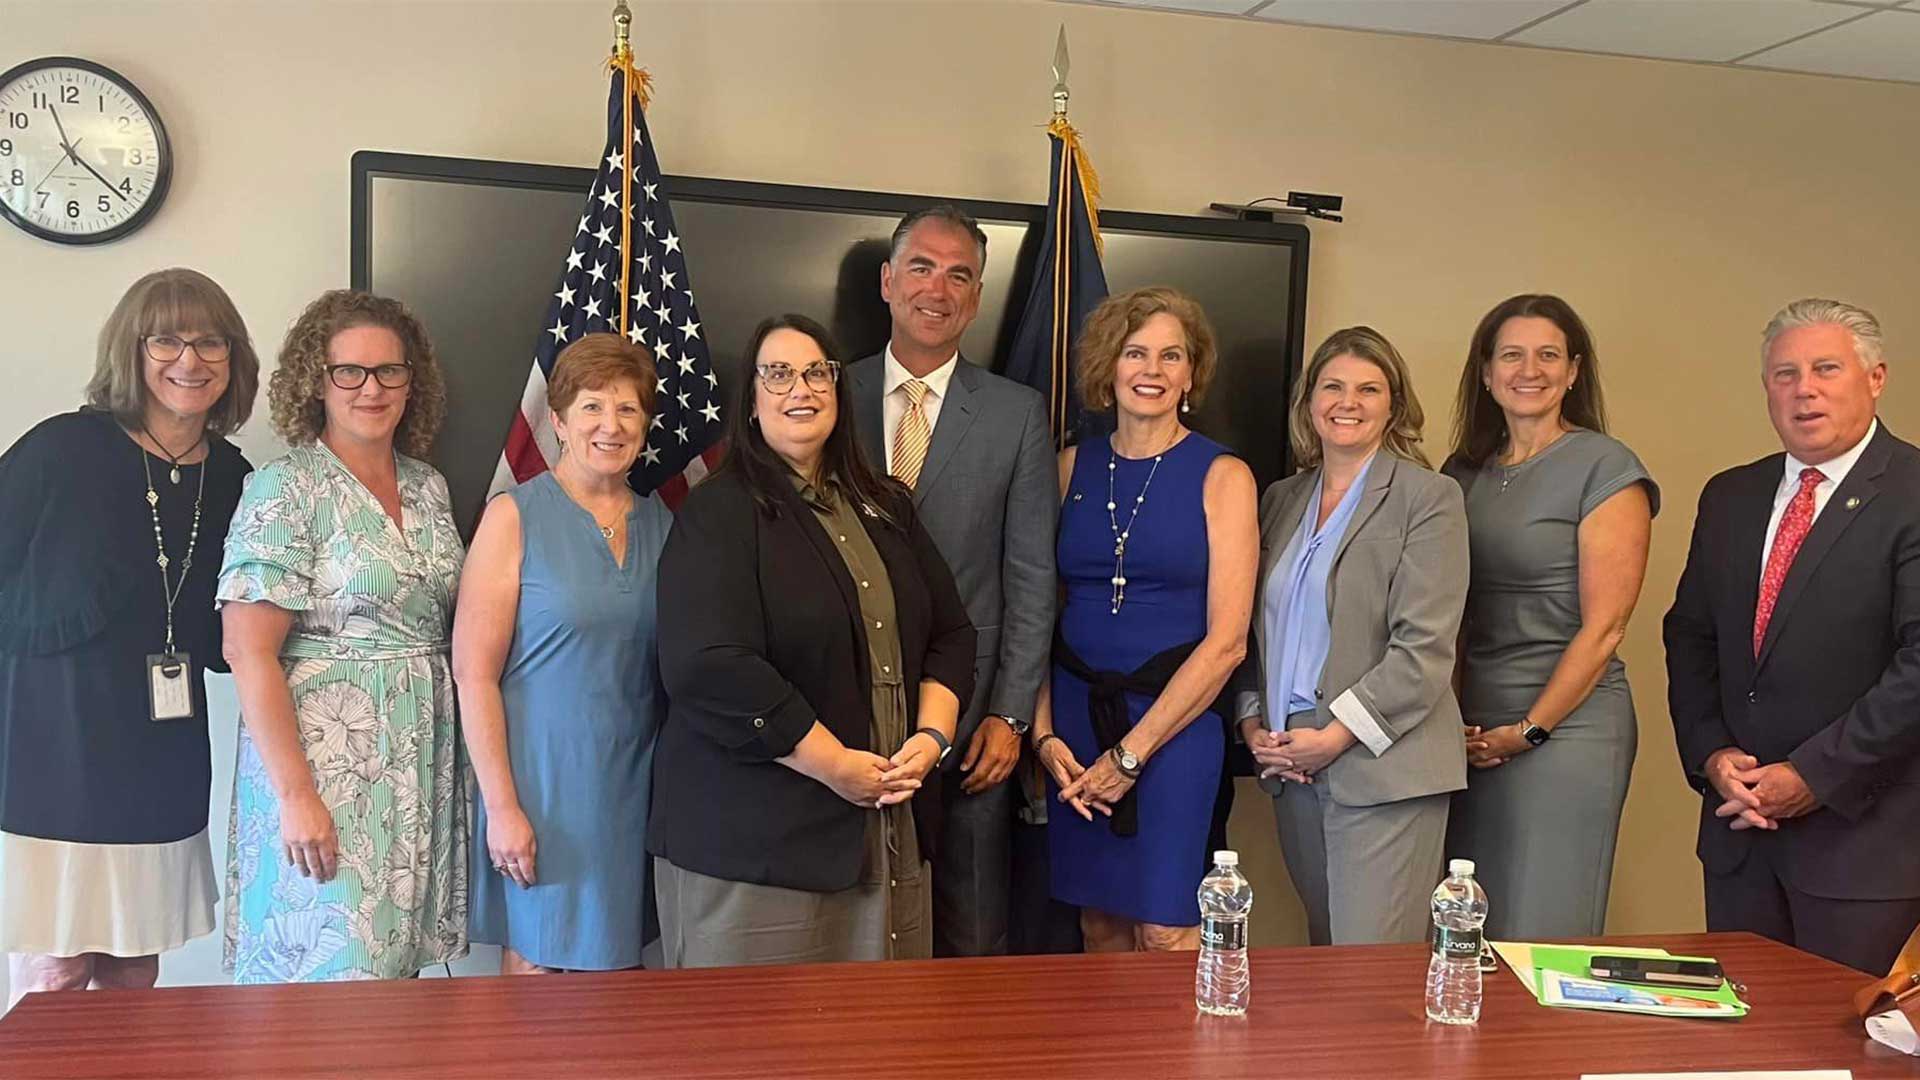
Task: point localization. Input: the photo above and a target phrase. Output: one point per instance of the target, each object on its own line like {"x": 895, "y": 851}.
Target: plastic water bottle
{"x": 1221, "y": 983}
{"x": 1453, "y": 975}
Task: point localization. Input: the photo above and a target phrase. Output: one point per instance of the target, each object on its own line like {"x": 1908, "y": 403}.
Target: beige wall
{"x": 1675, "y": 205}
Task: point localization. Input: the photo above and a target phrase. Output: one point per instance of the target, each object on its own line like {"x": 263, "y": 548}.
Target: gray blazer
{"x": 989, "y": 496}
{"x": 1394, "y": 599}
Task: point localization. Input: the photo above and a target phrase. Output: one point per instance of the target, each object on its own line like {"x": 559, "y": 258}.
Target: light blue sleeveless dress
{"x": 583, "y": 704}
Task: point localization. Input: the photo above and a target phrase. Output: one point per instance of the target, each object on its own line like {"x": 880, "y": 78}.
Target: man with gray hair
{"x": 1793, "y": 657}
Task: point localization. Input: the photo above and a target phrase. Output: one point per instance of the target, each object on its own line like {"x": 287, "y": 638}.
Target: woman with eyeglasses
{"x": 111, "y": 520}
{"x": 347, "y": 849}
{"x": 816, "y": 656}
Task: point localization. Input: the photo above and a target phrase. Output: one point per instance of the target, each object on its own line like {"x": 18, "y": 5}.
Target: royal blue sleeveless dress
{"x": 1154, "y": 875}
{"x": 583, "y": 701}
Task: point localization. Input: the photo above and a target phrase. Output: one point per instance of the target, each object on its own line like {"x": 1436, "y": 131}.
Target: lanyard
{"x": 169, "y": 588}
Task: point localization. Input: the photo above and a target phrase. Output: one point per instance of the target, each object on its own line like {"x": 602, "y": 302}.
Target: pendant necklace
{"x": 606, "y": 531}
{"x": 172, "y": 458}
{"x": 1120, "y": 535}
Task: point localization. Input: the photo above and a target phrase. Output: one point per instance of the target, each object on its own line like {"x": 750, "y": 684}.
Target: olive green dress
{"x": 888, "y": 915}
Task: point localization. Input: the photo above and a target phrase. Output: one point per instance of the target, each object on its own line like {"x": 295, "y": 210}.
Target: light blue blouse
{"x": 1295, "y": 611}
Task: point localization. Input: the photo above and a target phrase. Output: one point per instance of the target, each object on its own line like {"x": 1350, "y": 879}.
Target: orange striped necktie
{"x": 914, "y": 435}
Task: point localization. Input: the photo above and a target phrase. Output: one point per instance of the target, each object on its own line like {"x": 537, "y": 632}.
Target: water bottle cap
{"x": 1462, "y": 867}
{"x": 1226, "y": 858}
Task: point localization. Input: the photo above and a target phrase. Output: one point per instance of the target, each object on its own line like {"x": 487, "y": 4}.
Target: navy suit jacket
{"x": 1836, "y": 687}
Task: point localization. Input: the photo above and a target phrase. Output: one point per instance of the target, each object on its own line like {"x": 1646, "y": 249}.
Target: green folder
{"x": 1536, "y": 965}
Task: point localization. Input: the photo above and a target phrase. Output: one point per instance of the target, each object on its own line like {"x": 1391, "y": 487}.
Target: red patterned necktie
{"x": 1794, "y": 525}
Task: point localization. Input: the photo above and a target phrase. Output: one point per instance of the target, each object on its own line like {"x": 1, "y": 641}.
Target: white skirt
{"x": 62, "y": 898}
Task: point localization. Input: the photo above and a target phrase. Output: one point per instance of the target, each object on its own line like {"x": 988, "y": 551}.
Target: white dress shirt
{"x": 1835, "y": 471}
{"x": 894, "y": 401}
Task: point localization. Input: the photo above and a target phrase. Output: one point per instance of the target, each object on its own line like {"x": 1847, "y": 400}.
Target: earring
{"x": 753, "y": 419}
{"x": 1185, "y": 405}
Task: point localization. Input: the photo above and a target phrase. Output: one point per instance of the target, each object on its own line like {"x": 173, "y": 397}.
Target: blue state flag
{"x": 1068, "y": 282}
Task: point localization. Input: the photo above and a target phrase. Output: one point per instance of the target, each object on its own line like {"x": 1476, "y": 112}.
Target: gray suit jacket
{"x": 1394, "y": 599}
{"x": 989, "y": 496}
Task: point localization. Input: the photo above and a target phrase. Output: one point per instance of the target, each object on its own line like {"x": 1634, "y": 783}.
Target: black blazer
{"x": 1836, "y": 688}
{"x": 760, "y": 635}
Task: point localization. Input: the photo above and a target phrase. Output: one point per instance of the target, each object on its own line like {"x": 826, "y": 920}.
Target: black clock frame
{"x": 163, "y": 176}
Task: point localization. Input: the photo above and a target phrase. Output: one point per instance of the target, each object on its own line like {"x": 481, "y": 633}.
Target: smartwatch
{"x": 1534, "y": 733}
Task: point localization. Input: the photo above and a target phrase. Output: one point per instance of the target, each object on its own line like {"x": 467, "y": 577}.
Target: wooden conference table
{"x": 1341, "y": 1012}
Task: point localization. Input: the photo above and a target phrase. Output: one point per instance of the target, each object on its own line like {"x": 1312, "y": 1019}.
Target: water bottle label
{"x": 1222, "y": 933}
{"x": 1456, "y": 944}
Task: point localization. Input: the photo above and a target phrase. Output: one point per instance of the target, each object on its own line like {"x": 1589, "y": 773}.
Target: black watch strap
{"x": 1534, "y": 733}
{"x": 946, "y": 744}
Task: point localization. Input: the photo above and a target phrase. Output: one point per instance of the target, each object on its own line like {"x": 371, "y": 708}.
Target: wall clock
{"x": 83, "y": 156}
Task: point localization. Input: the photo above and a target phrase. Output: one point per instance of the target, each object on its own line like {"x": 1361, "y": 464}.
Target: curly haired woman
{"x": 347, "y": 851}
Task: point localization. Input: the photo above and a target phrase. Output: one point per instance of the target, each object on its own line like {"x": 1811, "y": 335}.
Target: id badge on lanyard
{"x": 170, "y": 686}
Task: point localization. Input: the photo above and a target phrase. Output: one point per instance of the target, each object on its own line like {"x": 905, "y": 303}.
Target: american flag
{"x": 650, "y": 287}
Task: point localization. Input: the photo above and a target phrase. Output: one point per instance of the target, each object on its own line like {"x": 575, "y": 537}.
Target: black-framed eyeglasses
{"x": 354, "y": 376}
{"x": 167, "y": 348}
{"x": 778, "y": 378}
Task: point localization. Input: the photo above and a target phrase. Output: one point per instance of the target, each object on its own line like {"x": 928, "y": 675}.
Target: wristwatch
{"x": 1020, "y": 727}
{"x": 1126, "y": 761}
{"x": 1534, "y": 733}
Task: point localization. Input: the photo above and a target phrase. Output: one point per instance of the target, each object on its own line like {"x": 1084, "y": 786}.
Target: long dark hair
{"x": 843, "y": 465}
{"x": 1479, "y": 427}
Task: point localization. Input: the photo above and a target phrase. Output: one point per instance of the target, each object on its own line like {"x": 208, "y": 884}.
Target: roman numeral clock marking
{"x": 84, "y": 157}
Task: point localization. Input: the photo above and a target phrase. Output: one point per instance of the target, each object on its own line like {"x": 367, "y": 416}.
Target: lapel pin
{"x": 1076, "y": 496}
{"x": 1853, "y": 501}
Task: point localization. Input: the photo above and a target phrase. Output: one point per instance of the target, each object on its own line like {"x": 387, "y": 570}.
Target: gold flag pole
{"x": 622, "y": 61}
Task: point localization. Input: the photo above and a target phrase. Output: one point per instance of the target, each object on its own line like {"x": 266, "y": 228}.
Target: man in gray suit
{"x": 975, "y": 449}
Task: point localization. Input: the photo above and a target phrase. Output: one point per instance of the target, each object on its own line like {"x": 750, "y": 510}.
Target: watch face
{"x": 84, "y": 157}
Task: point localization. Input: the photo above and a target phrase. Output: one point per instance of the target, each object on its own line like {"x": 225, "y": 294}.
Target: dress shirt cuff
{"x": 1349, "y": 711}
{"x": 1247, "y": 703}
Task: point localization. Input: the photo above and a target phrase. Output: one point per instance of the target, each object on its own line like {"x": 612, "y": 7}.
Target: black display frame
{"x": 370, "y": 165}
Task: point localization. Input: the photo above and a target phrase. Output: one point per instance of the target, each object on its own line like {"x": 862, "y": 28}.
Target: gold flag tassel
{"x": 1060, "y": 129}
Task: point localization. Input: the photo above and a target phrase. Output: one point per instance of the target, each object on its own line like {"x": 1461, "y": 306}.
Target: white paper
{"x": 1893, "y": 1029}
{"x": 1798, "y": 1074}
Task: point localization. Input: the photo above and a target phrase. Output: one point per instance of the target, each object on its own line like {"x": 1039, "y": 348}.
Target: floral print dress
{"x": 367, "y": 659}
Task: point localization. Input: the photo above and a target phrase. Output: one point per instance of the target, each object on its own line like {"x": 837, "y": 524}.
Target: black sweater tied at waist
{"x": 1107, "y": 706}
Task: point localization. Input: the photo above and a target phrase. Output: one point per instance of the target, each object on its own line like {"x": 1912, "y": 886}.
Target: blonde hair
{"x": 298, "y": 386}
{"x": 1405, "y": 418}
{"x": 1097, "y": 353}
{"x": 172, "y": 301}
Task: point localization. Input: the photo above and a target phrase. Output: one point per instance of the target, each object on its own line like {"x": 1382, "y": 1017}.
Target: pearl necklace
{"x": 1121, "y": 535}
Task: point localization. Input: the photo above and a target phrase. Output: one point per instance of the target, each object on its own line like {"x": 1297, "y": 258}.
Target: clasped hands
{"x": 1757, "y": 796}
{"x": 869, "y": 780}
{"x": 1296, "y": 754}
{"x": 1084, "y": 788}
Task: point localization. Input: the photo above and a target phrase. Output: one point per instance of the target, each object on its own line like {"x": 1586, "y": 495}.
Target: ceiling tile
{"x": 1483, "y": 19}
{"x": 1884, "y": 45}
{"x": 1217, "y": 7}
{"x": 1683, "y": 29}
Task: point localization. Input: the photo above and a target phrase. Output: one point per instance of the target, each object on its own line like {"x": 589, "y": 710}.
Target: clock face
{"x": 83, "y": 155}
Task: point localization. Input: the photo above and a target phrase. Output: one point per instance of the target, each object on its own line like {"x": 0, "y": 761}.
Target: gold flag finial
{"x": 622, "y": 31}
{"x": 1060, "y": 73}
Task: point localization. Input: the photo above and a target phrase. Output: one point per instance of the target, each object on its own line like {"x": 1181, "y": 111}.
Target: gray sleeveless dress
{"x": 1541, "y": 828}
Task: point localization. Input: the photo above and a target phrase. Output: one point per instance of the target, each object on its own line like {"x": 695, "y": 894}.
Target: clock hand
{"x": 78, "y": 160}
{"x": 56, "y": 168}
